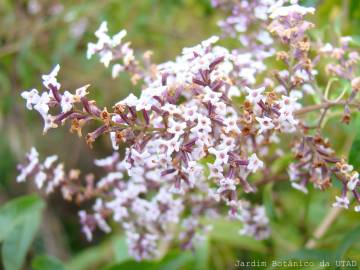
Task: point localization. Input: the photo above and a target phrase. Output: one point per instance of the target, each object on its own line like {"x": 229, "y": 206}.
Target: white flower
{"x": 215, "y": 171}
{"x": 221, "y": 155}
{"x": 255, "y": 95}
{"x": 50, "y": 79}
{"x": 299, "y": 187}
{"x": 328, "y": 48}
{"x": 226, "y": 184}
{"x": 211, "y": 96}
{"x": 341, "y": 202}
{"x": 33, "y": 159}
{"x": 113, "y": 140}
{"x": 254, "y": 163}
{"x": 81, "y": 92}
{"x": 106, "y": 57}
{"x": 49, "y": 161}
{"x": 116, "y": 40}
{"x": 32, "y": 97}
{"x": 210, "y": 41}
{"x": 42, "y": 104}
{"x": 190, "y": 113}
{"x": 293, "y": 9}
{"x": 265, "y": 123}
{"x": 117, "y": 68}
{"x": 49, "y": 122}
{"x": 354, "y": 180}
{"x": 131, "y": 100}
{"x": 357, "y": 208}
{"x": 203, "y": 125}
{"x": 40, "y": 178}
{"x": 176, "y": 128}
{"x": 67, "y": 101}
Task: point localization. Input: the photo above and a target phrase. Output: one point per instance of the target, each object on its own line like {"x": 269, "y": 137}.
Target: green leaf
{"x": 268, "y": 202}
{"x": 19, "y": 222}
{"x": 350, "y": 238}
{"x": 47, "y": 263}
{"x": 92, "y": 258}
{"x": 14, "y": 212}
{"x": 120, "y": 249}
{"x": 174, "y": 260}
{"x": 228, "y": 232}
{"x": 201, "y": 258}
{"x": 17, "y": 243}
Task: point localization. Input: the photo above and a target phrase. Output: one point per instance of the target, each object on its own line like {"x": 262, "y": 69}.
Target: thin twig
{"x": 323, "y": 227}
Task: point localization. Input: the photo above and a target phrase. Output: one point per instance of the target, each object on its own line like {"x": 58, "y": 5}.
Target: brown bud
{"x": 282, "y": 56}
{"x": 355, "y": 84}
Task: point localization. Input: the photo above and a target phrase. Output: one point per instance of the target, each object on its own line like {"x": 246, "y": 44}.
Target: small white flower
{"x": 67, "y": 101}
{"x": 32, "y": 97}
{"x": 203, "y": 125}
{"x": 176, "y": 128}
{"x": 81, "y": 92}
{"x": 299, "y": 187}
{"x": 211, "y": 96}
{"x": 354, "y": 180}
{"x": 116, "y": 40}
{"x": 341, "y": 202}
{"x": 116, "y": 69}
{"x": 50, "y": 161}
{"x": 215, "y": 171}
{"x": 131, "y": 100}
{"x": 42, "y": 104}
{"x": 255, "y": 95}
{"x": 50, "y": 79}
{"x": 254, "y": 163}
{"x": 265, "y": 123}
{"x": 293, "y": 9}
{"x": 40, "y": 179}
{"x": 221, "y": 155}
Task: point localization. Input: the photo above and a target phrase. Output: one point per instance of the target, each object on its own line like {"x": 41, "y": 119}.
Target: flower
{"x": 341, "y": 202}
{"x": 67, "y": 101}
{"x": 254, "y": 163}
{"x": 32, "y": 98}
{"x": 266, "y": 123}
{"x": 50, "y": 79}
{"x": 255, "y": 95}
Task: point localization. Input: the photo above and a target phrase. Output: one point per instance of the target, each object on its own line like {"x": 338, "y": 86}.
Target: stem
{"x": 325, "y": 105}
{"x": 323, "y": 227}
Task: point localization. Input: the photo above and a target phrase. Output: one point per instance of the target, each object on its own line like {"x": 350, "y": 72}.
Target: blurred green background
{"x": 36, "y": 35}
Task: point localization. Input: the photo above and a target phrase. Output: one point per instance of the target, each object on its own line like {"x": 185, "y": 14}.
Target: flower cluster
{"x": 201, "y": 132}
{"x": 111, "y": 49}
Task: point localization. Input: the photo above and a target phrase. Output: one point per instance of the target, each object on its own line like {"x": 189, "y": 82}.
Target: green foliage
{"x": 19, "y": 222}
{"x": 47, "y": 263}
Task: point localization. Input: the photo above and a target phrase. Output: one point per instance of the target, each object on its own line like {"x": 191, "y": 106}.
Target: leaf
{"x": 268, "y": 202}
{"x": 92, "y": 257}
{"x": 13, "y": 213}
{"x": 228, "y": 232}
{"x": 17, "y": 243}
{"x": 120, "y": 249}
{"x": 19, "y": 221}
{"x": 201, "y": 258}
{"x": 174, "y": 260}
{"x": 349, "y": 239}
{"x": 47, "y": 263}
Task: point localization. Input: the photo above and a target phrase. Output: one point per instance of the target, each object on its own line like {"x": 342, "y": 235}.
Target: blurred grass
{"x": 32, "y": 43}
